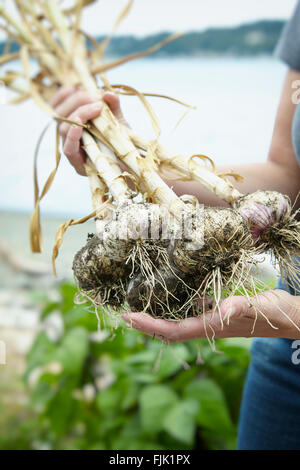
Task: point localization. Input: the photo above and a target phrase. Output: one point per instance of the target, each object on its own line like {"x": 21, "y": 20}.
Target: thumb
{"x": 277, "y": 308}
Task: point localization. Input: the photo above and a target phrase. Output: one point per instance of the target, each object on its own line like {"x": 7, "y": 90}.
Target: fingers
{"x": 84, "y": 114}
{"x": 72, "y": 148}
{"x": 61, "y": 95}
{"x": 68, "y": 99}
{"x": 74, "y": 101}
{"x": 80, "y": 106}
{"x": 72, "y": 134}
{"x": 238, "y": 307}
{"x": 171, "y": 331}
{"x": 113, "y": 101}
{"x": 273, "y": 313}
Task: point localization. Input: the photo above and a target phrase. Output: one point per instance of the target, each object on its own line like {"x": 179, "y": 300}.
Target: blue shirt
{"x": 288, "y": 50}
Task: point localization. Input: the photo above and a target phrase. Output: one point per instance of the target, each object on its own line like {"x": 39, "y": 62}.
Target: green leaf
{"x": 155, "y": 402}
{"x": 241, "y": 342}
{"x": 100, "y": 445}
{"x": 73, "y": 350}
{"x": 40, "y": 353}
{"x": 213, "y": 413}
{"x": 221, "y": 441}
{"x": 42, "y": 394}
{"x": 133, "y": 338}
{"x": 239, "y": 354}
{"x": 79, "y": 316}
{"x": 124, "y": 443}
{"x": 130, "y": 398}
{"x": 142, "y": 357}
{"x": 143, "y": 377}
{"x": 131, "y": 437}
{"x": 49, "y": 308}
{"x": 111, "y": 424}
{"x": 113, "y": 346}
{"x": 172, "y": 360}
{"x": 108, "y": 401}
{"x": 68, "y": 292}
{"x": 184, "y": 377}
{"x": 60, "y": 410}
{"x": 180, "y": 421}
{"x": 130, "y": 431}
{"x": 120, "y": 396}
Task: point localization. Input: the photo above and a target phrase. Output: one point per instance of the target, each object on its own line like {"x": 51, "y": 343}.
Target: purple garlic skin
{"x": 262, "y": 210}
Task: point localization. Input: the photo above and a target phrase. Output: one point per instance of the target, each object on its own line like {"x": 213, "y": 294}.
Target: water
{"x": 236, "y": 103}
{"x": 14, "y": 232}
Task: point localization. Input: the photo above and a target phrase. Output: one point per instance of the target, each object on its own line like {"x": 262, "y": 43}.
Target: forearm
{"x": 281, "y": 172}
{"x": 266, "y": 176}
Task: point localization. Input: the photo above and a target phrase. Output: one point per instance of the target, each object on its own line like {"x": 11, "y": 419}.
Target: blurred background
{"x": 65, "y": 383}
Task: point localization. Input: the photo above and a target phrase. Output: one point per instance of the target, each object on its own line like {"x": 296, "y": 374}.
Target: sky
{"x": 150, "y": 16}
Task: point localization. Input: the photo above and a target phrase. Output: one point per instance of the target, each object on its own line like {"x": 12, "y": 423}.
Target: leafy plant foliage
{"x": 115, "y": 388}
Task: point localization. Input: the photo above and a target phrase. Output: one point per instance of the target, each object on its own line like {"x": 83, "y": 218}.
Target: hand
{"x": 80, "y": 106}
{"x": 273, "y": 313}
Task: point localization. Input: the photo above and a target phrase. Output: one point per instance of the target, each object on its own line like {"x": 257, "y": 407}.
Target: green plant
{"x": 118, "y": 389}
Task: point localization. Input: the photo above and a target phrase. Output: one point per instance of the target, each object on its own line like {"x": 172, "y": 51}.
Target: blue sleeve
{"x": 288, "y": 47}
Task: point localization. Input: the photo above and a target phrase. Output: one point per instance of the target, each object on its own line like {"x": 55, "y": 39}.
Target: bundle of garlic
{"x": 166, "y": 254}
{"x": 269, "y": 215}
